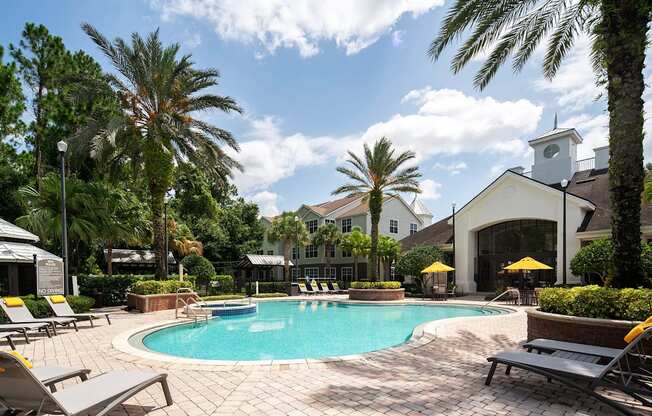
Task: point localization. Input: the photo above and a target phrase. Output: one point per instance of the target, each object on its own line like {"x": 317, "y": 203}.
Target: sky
{"x": 318, "y": 78}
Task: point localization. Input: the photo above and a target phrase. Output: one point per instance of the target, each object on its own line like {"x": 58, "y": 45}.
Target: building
{"x": 17, "y": 260}
{"x": 399, "y": 219}
{"x": 521, "y": 214}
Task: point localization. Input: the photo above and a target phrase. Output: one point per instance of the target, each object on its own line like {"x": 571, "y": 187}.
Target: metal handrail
{"x": 500, "y": 296}
{"x": 193, "y": 299}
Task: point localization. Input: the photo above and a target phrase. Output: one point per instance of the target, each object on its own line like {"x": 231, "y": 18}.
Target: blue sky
{"x": 318, "y": 78}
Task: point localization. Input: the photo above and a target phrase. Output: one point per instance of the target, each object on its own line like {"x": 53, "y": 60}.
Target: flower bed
{"x": 376, "y": 291}
{"x": 156, "y": 295}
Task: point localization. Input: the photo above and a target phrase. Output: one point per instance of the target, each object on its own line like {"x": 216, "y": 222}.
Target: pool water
{"x": 302, "y": 329}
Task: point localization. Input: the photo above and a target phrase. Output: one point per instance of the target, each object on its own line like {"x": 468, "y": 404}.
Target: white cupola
{"x": 422, "y": 211}
{"x": 555, "y": 154}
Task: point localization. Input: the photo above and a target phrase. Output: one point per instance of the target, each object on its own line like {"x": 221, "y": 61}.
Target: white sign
{"x": 49, "y": 277}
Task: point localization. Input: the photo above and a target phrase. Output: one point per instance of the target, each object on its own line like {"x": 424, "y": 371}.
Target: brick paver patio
{"x": 442, "y": 377}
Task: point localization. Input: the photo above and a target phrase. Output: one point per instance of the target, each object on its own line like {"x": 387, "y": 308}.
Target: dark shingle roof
{"x": 433, "y": 235}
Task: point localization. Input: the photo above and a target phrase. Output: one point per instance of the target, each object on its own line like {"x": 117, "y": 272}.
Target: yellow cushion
{"x": 648, "y": 320}
{"x": 12, "y": 302}
{"x": 636, "y": 331}
{"x": 22, "y": 359}
{"x": 58, "y": 299}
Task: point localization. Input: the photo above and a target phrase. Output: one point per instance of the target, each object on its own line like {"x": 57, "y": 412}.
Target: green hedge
{"x": 40, "y": 309}
{"x": 270, "y": 287}
{"x": 114, "y": 288}
{"x": 598, "y": 302}
{"x": 270, "y": 295}
{"x": 155, "y": 287}
{"x": 221, "y": 297}
{"x": 375, "y": 285}
{"x": 221, "y": 284}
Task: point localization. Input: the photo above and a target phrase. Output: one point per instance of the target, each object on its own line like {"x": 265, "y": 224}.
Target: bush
{"x": 80, "y": 304}
{"x": 270, "y": 287}
{"x": 157, "y": 287}
{"x": 375, "y": 285}
{"x": 596, "y": 261}
{"x": 200, "y": 267}
{"x": 270, "y": 295}
{"x": 222, "y": 297}
{"x": 114, "y": 288}
{"x": 222, "y": 284}
{"x": 598, "y": 302}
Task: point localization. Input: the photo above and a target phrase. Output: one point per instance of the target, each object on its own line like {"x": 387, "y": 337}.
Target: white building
{"x": 521, "y": 214}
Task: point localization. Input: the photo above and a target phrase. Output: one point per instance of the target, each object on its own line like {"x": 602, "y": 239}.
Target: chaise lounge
{"x": 62, "y": 309}
{"x": 18, "y": 313}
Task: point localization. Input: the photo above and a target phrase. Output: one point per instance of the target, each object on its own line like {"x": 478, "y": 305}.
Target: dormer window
{"x": 551, "y": 151}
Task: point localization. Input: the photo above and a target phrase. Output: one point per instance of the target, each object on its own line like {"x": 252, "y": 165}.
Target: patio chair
{"x": 25, "y": 327}
{"x": 7, "y": 336}
{"x": 323, "y": 286}
{"x": 21, "y": 390}
{"x": 50, "y": 375}
{"x": 18, "y": 313}
{"x": 584, "y": 376}
{"x": 314, "y": 286}
{"x": 440, "y": 287}
{"x": 336, "y": 288}
{"x": 62, "y": 309}
{"x": 303, "y": 289}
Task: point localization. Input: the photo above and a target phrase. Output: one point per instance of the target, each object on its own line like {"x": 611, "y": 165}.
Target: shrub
{"x": 200, "y": 267}
{"x": 156, "y": 287}
{"x": 114, "y": 288}
{"x": 375, "y": 285}
{"x": 80, "y": 304}
{"x": 270, "y": 295}
{"x": 413, "y": 261}
{"x": 222, "y": 284}
{"x": 598, "y": 302}
{"x": 222, "y": 297}
{"x": 270, "y": 287}
{"x": 596, "y": 260}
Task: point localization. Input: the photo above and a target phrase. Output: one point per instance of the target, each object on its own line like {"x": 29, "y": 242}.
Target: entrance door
{"x": 502, "y": 244}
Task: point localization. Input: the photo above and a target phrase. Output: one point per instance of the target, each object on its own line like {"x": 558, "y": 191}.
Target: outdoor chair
{"x": 50, "y": 375}
{"x": 336, "y": 288}
{"x": 18, "y": 313}
{"x": 62, "y": 309}
{"x": 25, "y": 327}
{"x": 619, "y": 373}
{"x": 537, "y": 294}
{"x": 7, "y": 336}
{"x": 440, "y": 287}
{"x": 303, "y": 289}
{"x": 514, "y": 295}
{"x": 21, "y": 390}
{"x": 323, "y": 286}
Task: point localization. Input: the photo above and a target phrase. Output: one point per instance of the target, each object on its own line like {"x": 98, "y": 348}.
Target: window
{"x": 347, "y": 273}
{"x": 413, "y": 228}
{"x": 330, "y": 273}
{"x": 346, "y": 225}
{"x": 329, "y": 221}
{"x": 312, "y": 226}
{"x": 260, "y": 252}
{"x": 311, "y": 251}
{"x": 330, "y": 251}
{"x": 294, "y": 252}
{"x": 270, "y": 252}
{"x": 311, "y": 272}
{"x": 393, "y": 226}
{"x": 346, "y": 253}
{"x": 551, "y": 151}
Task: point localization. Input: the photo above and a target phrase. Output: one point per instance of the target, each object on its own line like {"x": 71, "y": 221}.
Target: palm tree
{"x": 159, "y": 95}
{"x": 327, "y": 235}
{"x": 619, "y": 34}
{"x": 288, "y": 229}
{"x": 357, "y": 243}
{"x": 378, "y": 176}
{"x": 388, "y": 251}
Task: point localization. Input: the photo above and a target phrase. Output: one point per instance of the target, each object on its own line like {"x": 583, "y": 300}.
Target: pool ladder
{"x": 189, "y": 312}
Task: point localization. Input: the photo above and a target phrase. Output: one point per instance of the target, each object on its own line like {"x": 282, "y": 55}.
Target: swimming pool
{"x": 282, "y": 330}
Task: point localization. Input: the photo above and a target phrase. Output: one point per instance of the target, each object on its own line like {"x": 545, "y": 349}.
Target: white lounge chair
{"x": 62, "y": 309}
{"x": 21, "y": 390}
{"x": 18, "y": 313}
{"x": 336, "y": 288}
{"x": 25, "y": 327}
{"x": 303, "y": 289}
{"x": 323, "y": 286}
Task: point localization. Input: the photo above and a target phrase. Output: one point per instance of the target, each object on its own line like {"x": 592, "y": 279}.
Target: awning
{"x": 262, "y": 260}
{"x": 129, "y": 256}
{"x": 9, "y": 231}
{"x": 11, "y": 252}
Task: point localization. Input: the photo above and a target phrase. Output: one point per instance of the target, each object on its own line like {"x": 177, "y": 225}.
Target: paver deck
{"x": 442, "y": 377}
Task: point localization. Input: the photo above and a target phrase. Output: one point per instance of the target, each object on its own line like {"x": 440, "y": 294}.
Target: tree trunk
{"x": 286, "y": 261}
{"x": 355, "y": 268}
{"x": 623, "y": 31}
{"x": 375, "y": 208}
{"x": 38, "y": 138}
{"x": 109, "y": 258}
{"x": 158, "y": 229}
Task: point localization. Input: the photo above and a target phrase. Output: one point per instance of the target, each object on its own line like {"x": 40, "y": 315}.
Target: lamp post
{"x": 453, "y": 206}
{"x": 165, "y": 219}
{"x": 296, "y": 228}
{"x": 62, "y": 147}
{"x": 564, "y": 185}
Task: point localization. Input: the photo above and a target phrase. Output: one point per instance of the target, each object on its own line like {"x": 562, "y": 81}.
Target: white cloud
{"x": 452, "y": 168}
{"x": 430, "y": 190}
{"x": 191, "y": 39}
{"x": 397, "y": 37}
{"x": 496, "y": 170}
{"x": 300, "y": 24}
{"x": 267, "y": 202}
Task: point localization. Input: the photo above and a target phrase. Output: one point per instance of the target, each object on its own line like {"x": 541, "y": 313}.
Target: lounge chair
{"x": 21, "y": 390}
{"x": 336, "y": 288}
{"x": 49, "y": 375}
{"x": 303, "y": 289}
{"x": 551, "y": 346}
{"x": 25, "y": 327}
{"x": 62, "y": 309}
{"x": 18, "y": 313}
{"x": 585, "y": 376}
{"x": 323, "y": 286}
{"x": 7, "y": 336}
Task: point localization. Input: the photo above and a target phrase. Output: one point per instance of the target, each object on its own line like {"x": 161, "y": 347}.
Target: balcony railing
{"x": 585, "y": 164}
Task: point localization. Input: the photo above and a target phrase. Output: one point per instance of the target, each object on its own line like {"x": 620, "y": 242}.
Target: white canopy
{"x": 13, "y": 232}
{"x": 11, "y": 252}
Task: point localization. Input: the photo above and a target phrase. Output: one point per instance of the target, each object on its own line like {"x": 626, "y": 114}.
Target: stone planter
{"x": 602, "y": 332}
{"x": 153, "y": 303}
{"x": 377, "y": 294}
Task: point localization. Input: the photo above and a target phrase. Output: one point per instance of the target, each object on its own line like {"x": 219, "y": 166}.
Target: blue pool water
{"x": 293, "y": 329}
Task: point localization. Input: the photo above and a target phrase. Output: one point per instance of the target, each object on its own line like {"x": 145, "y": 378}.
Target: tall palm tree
{"x": 388, "y": 251}
{"x": 289, "y": 230}
{"x": 159, "y": 94}
{"x": 619, "y": 34}
{"x": 380, "y": 174}
{"x": 327, "y": 235}
{"x": 357, "y": 243}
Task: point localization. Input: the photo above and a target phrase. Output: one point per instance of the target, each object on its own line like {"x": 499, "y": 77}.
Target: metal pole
{"x": 563, "y": 273}
{"x": 165, "y": 216}
{"x": 453, "y": 265}
{"x": 64, "y": 226}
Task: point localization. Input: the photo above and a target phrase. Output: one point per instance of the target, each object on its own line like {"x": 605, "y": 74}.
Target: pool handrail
{"x": 194, "y": 298}
{"x": 500, "y": 296}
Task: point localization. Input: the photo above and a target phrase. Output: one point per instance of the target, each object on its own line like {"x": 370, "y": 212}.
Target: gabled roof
{"x": 419, "y": 208}
{"x": 436, "y": 234}
{"x": 11, "y": 252}
{"x": 363, "y": 208}
{"x": 9, "y": 231}
{"x": 326, "y": 208}
{"x": 262, "y": 260}
{"x": 555, "y": 133}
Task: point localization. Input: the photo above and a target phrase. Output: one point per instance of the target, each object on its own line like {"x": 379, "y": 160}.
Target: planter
{"x": 153, "y": 303}
{"x": 602, "y": 332}
{"x": 377, "y": 294}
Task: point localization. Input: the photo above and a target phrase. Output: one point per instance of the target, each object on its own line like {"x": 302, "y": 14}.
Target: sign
{"x": 49, "y": 277}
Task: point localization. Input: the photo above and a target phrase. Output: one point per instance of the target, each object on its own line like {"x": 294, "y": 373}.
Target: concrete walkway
{"x": 443, "y": 377}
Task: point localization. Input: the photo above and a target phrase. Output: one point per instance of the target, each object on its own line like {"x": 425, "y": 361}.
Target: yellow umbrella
{"x": 437, "y": 267}
{"x": 527, "y": 263}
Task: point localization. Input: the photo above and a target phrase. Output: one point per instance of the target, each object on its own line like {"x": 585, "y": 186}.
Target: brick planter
{"x": 602, "y": 332}
{"x": 153, "y": 303}
{"x": 377, "y": 294}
